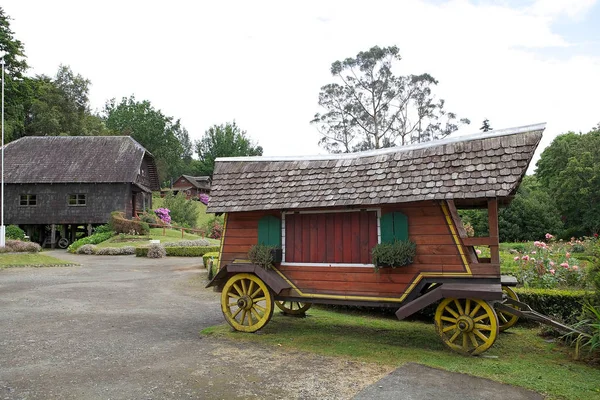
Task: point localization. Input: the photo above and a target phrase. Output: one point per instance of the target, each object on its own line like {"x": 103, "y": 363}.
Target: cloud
{"x": 553, "y": 9}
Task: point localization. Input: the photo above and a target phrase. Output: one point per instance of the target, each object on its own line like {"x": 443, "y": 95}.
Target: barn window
{"x": 77, "y": 199}
{"x": 28, "y": 200}
{"x": 269, "y": 231}
{"x": 330, "y": 237}
{"x": 394, "y": 226}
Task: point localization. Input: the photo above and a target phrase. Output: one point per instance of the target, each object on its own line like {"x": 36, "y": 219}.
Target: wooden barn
{"x": 191, "y": 186}
{"x": 54, "y": 184}
{"x": 328, "y": 212}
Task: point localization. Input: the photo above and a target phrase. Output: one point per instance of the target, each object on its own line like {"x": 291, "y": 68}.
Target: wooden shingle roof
{"x": 75, "y": 159}
{"x": 474, "y": 167}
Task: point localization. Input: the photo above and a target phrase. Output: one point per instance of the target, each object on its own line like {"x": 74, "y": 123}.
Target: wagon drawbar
{"x": 326, "y": 215}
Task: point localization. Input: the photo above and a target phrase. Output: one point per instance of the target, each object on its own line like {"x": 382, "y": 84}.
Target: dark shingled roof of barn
{"x": 74, "y": 159}
{"x": 465, "y": 168}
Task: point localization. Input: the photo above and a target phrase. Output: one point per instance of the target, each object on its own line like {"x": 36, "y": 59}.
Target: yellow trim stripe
{"x": 222, "y": 239}
{"x": 410, "y": 288}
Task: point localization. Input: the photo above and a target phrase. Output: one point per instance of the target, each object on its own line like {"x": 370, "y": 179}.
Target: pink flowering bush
{"x": 163, "y": 215}
{"x": 204, "y": 198}
{"x": 548, "y": 265}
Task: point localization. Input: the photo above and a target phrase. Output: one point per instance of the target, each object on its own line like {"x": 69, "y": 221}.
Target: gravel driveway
{"x": 128, "y": 328}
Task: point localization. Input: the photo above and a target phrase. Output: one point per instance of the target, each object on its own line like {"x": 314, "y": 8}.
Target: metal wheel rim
{"x": 467, "y": 326}
{"x": 246, "y": 302}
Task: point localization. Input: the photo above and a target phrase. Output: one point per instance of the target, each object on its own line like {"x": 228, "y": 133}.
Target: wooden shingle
{"x": 480, "y": 166}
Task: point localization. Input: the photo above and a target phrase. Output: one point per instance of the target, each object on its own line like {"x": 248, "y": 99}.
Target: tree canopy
{"x": 369, "y": 107}
{"x": 570, "y": 169}
{"x": 165, "y": 138}
{"x": 226, "y": 140}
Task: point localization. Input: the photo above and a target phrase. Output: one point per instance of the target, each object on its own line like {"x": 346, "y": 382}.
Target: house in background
{"x": 55, "y": 184}
{"x": 191, "y": 186}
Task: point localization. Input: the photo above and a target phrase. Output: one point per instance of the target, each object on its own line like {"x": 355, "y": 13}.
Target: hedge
{"x": 180, "y": 251}
{"x": 563, "y": 305}
{"x": 128, "y": 226}
{"x": 93, "y": 239}
{"x": 206, "y": 259}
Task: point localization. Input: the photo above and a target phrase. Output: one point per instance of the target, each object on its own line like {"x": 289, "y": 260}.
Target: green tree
{"x": 485, "y": 127}
{"x": 570, "y": 170}
{"x": 15, "y": 90}
{"x": 530, "y": 215}
{"x": 165, "y": 138}
{"x": 223, "y": 141}
{"x": 370, "y": 107}
{"x": 183, "y": 212}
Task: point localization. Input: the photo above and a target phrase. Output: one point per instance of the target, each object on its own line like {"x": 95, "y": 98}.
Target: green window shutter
{"x": 269, "y": 231}
{"x": 394, "y": 226}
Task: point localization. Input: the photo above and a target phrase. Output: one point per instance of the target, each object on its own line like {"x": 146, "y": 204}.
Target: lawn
{"x": 29, "y": 259}
{"x": 168, "y": 235}
{"x": 519, "y": 357}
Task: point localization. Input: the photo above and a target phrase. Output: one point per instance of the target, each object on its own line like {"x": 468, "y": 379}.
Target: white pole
{"x": 2, "y": 227}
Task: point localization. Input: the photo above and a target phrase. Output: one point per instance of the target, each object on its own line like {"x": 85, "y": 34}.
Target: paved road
{"x": 128, "y": 328}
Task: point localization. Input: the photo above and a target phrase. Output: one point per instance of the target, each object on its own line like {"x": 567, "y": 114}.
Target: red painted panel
{"x": 330, "y": 237}
{"x": 314, "y": 231}
{"x": 338, "y": 237}
{"x": 298, "y": 238}
{"x": 346, "y": 238}
{"x": 289, "y": 238}
{"x": 305, "y": 237}
{"x": 364, "y": 232}
{"x": 321, "y": 235}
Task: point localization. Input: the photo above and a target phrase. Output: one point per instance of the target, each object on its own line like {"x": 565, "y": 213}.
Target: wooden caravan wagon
{"x": 328, "y": 213}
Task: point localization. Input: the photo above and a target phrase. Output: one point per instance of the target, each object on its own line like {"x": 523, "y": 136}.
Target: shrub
{"x": 179, "y": 251}
{"x": 103, "y": 229}
{"x": 93, "y": 239}
{"x": 206, "y": 258}
{"x": 156, "y": 251}
{"x": 396, "y": 254}
{"x": 148, "y": 218}
{"x": 19, "y": 246}
{"x": 163, "y": 215}
{"x": 188, "y": 243}
{"x": 14, "y": 232}
{"x": 564, "y": 305}
{"x": 215, "y": 228}
{"x": 115, "y": 251}
{"x": 184, "y": 211}
{"x": 128, "y": 226}
{"x": 87, "y": 249}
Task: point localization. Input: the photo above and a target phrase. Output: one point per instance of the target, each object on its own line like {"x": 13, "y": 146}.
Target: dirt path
{"x": 128, "y": 328}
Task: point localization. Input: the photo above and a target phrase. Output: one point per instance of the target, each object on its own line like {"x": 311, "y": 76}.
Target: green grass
{"x": 519, "y": 357}
{"x": 29, "y": 259}
{"x": 171, "y": 235}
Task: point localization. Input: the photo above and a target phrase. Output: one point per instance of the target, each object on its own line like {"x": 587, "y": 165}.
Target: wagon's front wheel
{"x": 246, "y": 302}
{"x": 467, "y": 326}
{"x": 505, "y": 318}
{"x": 293, "y": 307}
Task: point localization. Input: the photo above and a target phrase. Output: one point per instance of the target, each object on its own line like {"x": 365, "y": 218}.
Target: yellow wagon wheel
{"x": 246, "y": 302}
{"x": 507, "y": 319}
{"x": 467, "y": 326}
{"x": 293, "y": 307}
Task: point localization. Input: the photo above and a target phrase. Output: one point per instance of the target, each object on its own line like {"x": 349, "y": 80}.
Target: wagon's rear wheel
{"x": 293, "y": 307}
{"x": 507, "y": 319}
{"x": 246, "y": 302}
{"x": 467, "y": 326}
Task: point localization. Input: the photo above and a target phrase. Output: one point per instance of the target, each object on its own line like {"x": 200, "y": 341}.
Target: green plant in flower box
{"x": 394, "y": 254}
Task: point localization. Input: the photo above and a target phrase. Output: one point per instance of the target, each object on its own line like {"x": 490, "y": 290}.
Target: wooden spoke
{"x": 460, "y": 322}
{"x": 293, "y": 307}
{"x": 241, "y": 305}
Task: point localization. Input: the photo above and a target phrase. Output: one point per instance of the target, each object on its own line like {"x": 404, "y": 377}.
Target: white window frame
{"x": 301, "y": 264}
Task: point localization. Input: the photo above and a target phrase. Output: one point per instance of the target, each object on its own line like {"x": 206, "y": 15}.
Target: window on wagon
{"x": 269, "y": 231}
{"x": 77, "y": 199}
{"x": 330, "y": 238}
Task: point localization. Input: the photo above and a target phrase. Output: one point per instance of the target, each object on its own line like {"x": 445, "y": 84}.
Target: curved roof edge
{"x": 395, "y": 149}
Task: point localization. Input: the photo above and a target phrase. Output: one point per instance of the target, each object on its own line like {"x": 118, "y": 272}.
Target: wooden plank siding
{"x": 437, "y": 252}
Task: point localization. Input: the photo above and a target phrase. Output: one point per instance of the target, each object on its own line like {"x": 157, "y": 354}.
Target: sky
{"x": 262, "y": 63}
